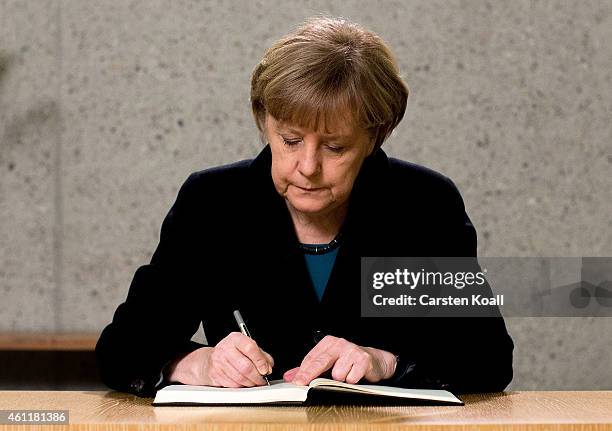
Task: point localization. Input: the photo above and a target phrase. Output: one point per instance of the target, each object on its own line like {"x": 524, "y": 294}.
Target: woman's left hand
{"x": 348, "y": 361}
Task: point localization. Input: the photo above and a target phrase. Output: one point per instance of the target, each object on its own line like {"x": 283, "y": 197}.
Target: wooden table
{"x": 510, "y": 411}
{"x": 48, "y": 341}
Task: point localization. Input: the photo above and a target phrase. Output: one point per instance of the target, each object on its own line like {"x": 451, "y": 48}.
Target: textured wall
{"x": 107, "y": 106}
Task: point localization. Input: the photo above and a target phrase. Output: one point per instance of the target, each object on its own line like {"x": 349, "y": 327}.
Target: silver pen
{"x": 245, "y": 331}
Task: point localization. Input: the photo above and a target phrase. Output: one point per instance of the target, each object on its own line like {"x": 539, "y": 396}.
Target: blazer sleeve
{"x": 461, "y": 354}
{"x": 158, "y": 318}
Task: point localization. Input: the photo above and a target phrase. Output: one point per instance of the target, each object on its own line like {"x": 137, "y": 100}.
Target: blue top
{"x": 320, "y": 267}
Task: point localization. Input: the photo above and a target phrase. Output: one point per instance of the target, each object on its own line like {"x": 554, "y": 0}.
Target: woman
{"x": 280, "y": 238}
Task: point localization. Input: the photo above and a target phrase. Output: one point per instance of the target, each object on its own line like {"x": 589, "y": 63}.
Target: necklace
{"x": 321, "y": 248}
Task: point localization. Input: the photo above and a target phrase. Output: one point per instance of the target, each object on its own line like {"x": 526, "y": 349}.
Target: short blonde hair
{"x": 322, "y": 71}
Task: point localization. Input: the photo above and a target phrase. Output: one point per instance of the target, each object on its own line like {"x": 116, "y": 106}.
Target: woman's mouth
{"x": 310, "y": 189}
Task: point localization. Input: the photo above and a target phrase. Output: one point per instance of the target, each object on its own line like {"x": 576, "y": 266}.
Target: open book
{"x": 281, "y": 392}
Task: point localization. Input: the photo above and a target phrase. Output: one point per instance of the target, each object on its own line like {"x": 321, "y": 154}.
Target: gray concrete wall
{"x": 107, "y": 106}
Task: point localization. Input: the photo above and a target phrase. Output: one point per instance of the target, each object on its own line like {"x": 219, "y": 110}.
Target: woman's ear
{"x": 370, "y": 148}
{"x": 264, "y": 131}
{"x": 372, "y": 138}
{"x": 371, "y": 145}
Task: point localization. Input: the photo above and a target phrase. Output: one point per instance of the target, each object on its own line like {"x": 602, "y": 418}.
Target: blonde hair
{"x": 325, "y": 70}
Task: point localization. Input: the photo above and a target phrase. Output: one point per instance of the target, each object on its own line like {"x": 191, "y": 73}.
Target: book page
{"x": 391, "y": 391}
{"x": 278, "y": 391}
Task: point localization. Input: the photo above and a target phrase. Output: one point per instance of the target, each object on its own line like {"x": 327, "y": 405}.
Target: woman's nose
{"x": 309, "y": 164}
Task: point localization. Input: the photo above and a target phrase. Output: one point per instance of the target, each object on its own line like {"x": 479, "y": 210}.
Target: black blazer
{"x": 228, "y": 242}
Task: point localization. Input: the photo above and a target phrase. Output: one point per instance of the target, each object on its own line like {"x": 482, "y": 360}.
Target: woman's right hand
{"x": 236, "y": 361}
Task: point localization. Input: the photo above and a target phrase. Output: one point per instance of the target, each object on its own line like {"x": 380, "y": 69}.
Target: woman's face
{"x": 315, "y": 172}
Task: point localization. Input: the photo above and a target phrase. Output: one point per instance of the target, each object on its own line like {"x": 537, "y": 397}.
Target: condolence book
{"x": 318, "y": 391}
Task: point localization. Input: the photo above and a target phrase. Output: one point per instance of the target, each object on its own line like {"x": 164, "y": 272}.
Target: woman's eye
{"x": 291, "y": 142}
{"x": 335, "y": 148}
